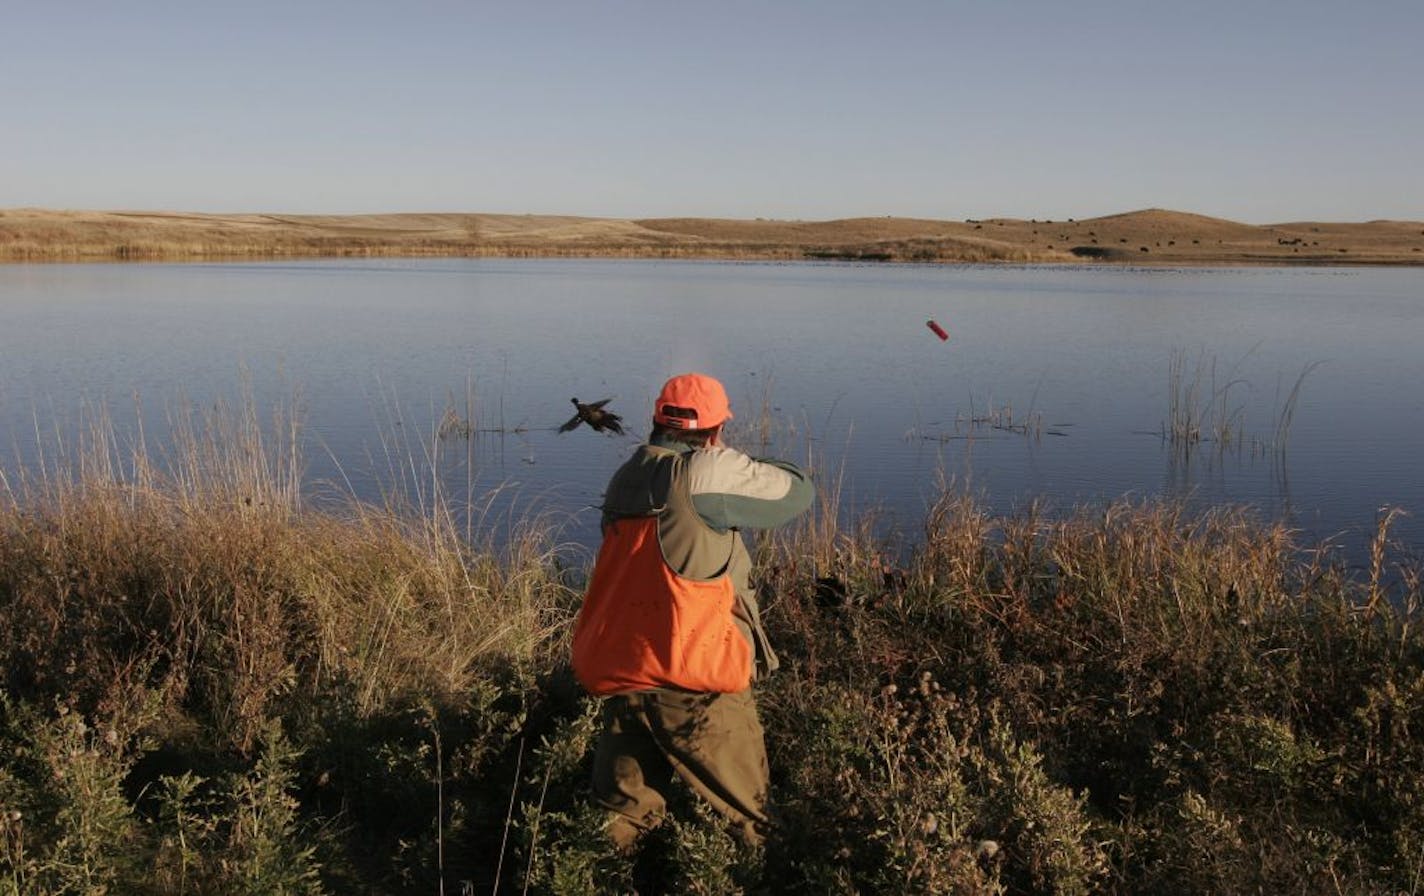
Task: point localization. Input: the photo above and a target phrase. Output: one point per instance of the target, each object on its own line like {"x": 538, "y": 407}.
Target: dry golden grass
{"x": 1152, "y": 236}
{"x": 210, "y": 685}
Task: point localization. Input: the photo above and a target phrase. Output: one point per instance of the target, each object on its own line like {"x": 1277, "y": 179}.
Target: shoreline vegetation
{"x": 211, "y": 685}
{"x": 1147, "y": 237}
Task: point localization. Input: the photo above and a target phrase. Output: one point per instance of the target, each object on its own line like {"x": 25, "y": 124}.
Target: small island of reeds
{"x": 211, "y": 685}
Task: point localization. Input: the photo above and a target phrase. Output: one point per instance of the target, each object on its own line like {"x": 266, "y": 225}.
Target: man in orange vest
{"x": 669, "y": 631}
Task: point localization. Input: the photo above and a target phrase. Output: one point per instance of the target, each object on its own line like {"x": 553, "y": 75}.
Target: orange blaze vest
{"x": 643, "y": 626}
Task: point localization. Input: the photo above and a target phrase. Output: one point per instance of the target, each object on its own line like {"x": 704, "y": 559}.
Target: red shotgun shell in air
{"x": 938, "y": 330}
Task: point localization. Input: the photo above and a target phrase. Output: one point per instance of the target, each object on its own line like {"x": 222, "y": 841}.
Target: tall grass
{"x": 1286, "y": 417}
{"x": 1199, "y": 409}
{"x": 213, "y": 685}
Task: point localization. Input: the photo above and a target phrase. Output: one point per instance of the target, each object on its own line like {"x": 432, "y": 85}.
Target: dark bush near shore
{"x": 209, "y": 689}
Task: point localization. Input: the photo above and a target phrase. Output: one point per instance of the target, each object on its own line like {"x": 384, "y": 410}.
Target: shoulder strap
{"x": 640, "y": 487}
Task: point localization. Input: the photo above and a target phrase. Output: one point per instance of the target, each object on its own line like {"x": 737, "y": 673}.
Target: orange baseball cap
{"x": 692, "y": 401}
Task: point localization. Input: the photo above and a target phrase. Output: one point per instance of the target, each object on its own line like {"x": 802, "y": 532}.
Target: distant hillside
{"x": 1149, "y": 236}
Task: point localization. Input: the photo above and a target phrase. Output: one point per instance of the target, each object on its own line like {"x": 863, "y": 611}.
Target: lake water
{"x": 376, "y": 350}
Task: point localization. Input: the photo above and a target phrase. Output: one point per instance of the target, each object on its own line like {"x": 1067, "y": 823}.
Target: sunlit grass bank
{"x": 1147, "y": 236}
{"x": 211, "y": 687}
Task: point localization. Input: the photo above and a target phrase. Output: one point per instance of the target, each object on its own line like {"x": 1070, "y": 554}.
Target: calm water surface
{"x": 376, "y": 350}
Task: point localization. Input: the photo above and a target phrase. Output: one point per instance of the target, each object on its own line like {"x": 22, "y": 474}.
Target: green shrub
{"x": 66, "y": 824}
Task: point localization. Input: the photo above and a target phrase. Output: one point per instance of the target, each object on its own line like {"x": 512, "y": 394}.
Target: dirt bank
{"x": 1152, "y": 236}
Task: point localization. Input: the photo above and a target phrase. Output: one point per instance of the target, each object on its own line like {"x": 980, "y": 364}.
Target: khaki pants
{"x": 713, "y": 742}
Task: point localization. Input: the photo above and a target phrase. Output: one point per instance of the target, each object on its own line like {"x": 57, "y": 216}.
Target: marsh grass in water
{"x": 1202, "y": 408}
{"x": 212, "y": 685}
{"x": 978, "y": 424}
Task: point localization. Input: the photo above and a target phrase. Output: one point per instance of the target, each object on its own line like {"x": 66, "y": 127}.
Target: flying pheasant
{"x": 595, "y": 416}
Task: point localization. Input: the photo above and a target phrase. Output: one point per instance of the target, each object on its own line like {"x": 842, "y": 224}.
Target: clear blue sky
{"x": 1257, "y": 111}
